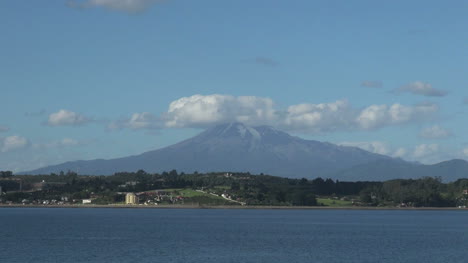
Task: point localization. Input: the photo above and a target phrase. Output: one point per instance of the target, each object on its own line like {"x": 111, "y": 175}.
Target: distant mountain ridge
{"x": 236, "y": 147}
{"x": 385, "y": 170}
{"x": 233, "y": 147}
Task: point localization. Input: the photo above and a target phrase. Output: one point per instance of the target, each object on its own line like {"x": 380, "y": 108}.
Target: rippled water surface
{"x": 206, "y": 235}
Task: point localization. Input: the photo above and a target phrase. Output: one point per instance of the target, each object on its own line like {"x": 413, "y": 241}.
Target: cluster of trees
{"x": 252, "y": 189}
{"x": 6, "y": 174}
{"x": 428, "y": 191}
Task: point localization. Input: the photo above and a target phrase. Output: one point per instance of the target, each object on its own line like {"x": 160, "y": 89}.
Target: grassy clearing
{"x": 192, "y": 197}
{"x": 189, "y": 193}
{"x": 193, "y": 193}
{"x": 333, "y": 202}
{"x": 222, "y": 187}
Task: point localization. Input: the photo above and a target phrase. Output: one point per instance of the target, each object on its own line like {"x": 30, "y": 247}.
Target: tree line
{"x": 252, "y": 189}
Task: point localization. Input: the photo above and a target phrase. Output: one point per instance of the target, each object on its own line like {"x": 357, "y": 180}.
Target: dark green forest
{"x": 265, "y": 190}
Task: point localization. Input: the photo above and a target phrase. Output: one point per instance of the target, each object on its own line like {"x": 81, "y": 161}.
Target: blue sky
{"x": 109, "y": 78}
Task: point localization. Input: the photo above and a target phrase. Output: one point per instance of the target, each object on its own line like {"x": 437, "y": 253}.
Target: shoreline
{"x": 234, "y": 207}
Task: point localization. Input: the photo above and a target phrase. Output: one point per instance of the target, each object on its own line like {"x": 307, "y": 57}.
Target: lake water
{"x": 209, "y": 235}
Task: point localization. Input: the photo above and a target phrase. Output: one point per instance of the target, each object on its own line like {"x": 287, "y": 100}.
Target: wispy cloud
{"x": 372, "y": 84}
{"x": 14, "y": 150}
{"x": 435, "y": 132}
{"x": 421, "y": 88}
{"x": 137, "y": 121}
{"x": 13, "y": 143}
{"x": 465, "y": 152}
{"x": 4, "y": 128}
{"x": 372, "y": 146}
{"x": 128, "y": 6}
{"x": 65, "y": 142}
{"x": 266, "y": 61}
{"x": 425, "y": 150}
{"x": 35, "y": 113}
{"x": 67, "y": 118}
{"x": 400, "y": 152}
{"x": 424, "y": 153}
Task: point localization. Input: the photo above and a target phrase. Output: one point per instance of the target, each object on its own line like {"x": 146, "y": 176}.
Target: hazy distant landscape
{"x": 238, "y": 165}
{"x": 236, "y": 147}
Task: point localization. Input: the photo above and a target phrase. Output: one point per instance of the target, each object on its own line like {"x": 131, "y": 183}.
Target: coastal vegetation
{"x": 173, "y": 188}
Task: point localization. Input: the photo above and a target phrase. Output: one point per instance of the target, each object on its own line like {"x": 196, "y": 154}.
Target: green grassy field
{"x": 212, "y": 199}
{"x": 189, "y": 193}
{"x": 222, "y": 187}
{"x": 333, "y": 202}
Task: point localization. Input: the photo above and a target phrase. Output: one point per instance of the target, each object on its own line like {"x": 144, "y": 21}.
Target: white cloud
{"x": 435, "y": 132}
{"x": 65, "y": 117}
{"x": 68, "y": 142}
{"x": 18, "y": 149}
{"x": 373, "y": 146}
{"x": 400, "y": 152}
{"x": 421, "y": 88}
{"x": 202, "y": 111}
{"x": 129, "y": 6}
{"x": 377, "y": 116}
{"x": 199, "y": 111}
{"x": 57, "y": 144}
{"x": 373, "y": 116}
{"x": 143, "y": 120}
{"x": 340, "y": 115}
{"x": 424, "y": 153}
{"x": 12, "y": 143}
{"x": 379, "y": 147}
{"x": 435, "y": 153}
{"x": 4, "y": 128}
{"x": 317, "y": 118}
{"x": 425, "y": 150}
{"x": 65, "y": 142}
{"x": 372, "y": 84}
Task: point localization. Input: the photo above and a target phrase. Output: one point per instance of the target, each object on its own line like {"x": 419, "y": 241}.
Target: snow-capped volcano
{"x": 234, "y": 147}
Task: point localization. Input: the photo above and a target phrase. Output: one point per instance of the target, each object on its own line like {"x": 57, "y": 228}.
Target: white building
{"x": 131, "y": 199}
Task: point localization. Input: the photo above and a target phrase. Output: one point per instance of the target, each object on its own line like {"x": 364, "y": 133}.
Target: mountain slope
{"x": 234, "y": 147}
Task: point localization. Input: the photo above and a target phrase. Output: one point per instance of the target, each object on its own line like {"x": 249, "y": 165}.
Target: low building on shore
{"x": 131, "y": 199}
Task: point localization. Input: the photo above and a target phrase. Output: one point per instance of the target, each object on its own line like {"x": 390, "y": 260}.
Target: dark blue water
{"x": 170, "y": 235}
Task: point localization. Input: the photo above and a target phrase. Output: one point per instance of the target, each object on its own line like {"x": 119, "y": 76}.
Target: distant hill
{"x": 236, "y": 147}
{"x": 382, "y": 170}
